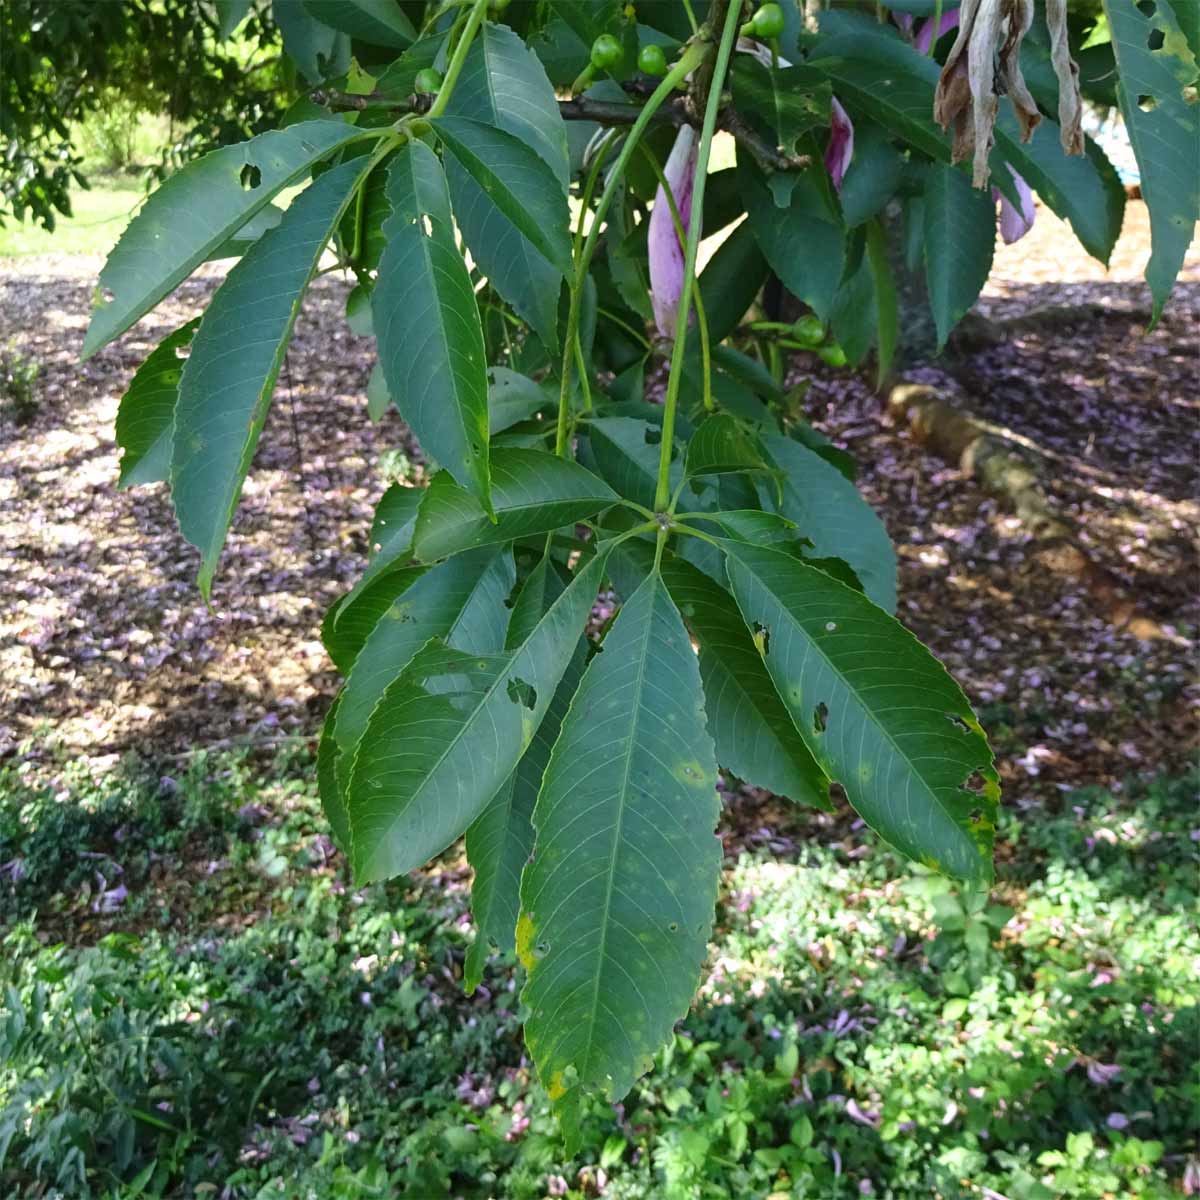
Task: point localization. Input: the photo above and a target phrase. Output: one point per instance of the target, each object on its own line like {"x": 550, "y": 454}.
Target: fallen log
{"x": 996, "y": 463}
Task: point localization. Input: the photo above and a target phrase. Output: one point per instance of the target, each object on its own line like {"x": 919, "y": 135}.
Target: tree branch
{"x": 601, "y": 112}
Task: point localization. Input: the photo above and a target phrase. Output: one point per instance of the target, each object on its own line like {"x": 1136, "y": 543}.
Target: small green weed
{"x": 238, "y": 1019}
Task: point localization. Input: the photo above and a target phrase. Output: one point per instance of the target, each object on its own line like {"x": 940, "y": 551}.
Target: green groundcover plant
{"x": 519, "y": 191}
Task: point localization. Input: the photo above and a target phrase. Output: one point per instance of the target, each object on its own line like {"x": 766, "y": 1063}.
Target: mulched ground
{"x": 105, "y": 643}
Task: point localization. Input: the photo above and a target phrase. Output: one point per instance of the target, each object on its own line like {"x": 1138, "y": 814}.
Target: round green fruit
{"x": 768, "y": 21}
{"x": 652, "y": 60}
{"x": 606, "y": 52}
{"x": 428, "y": 80}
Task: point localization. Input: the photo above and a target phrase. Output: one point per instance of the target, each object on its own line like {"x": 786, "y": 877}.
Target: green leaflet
{"x": 878, "y": 711}
{"x": 532, "y": 492}
{"x": 753, "y": 732}
{"x": 804, "y": 243}
{"x": 448, "y": 732}
{"x": 380, "y": 22}
{"x": 626, "y": 452}
{"x": 617, "y": 904}
{"x": 229, "y": 377}
{"x": 501, "y": 839}
{"x": 504, "y": 84}
{"x": 1164, "y": 127}
{"x": 461, "y": 601}
{"x": 720, "y": 445}
{"x": 328, "y": 784}
{"x": 513, "y": 397}
{"x": 318, "y": 50}
{"x": 146, "y": 415}
{"x": 730, "y": 281}
{"x": 873, "y": 174}
{"x": 517, "y": 181}
{"x": 960, "y": 238}
{"x": 831, "y": 512}
{"x": 887, "y": 309}
{"x": 427, "y": 323}
{"x": 391, "y": 535}
{"x": 352, "y": 619}
{"x": 197, "y": 210}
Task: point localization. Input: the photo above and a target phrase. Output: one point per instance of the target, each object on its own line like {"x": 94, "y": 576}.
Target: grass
{"x": 99, "y": 215}
{"x": 197, "y": 1003}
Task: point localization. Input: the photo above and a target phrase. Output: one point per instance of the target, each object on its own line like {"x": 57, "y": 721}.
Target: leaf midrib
{"x": 610, "y": 883}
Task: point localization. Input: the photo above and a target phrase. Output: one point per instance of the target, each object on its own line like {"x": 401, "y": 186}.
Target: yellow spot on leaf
{"x": 525, "y": 938}
{"x": 556, "y": 1089}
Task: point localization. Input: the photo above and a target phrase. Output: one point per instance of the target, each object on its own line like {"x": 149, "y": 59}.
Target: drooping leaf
{"x": 532, "y": 492}
{"x": 460, "y": 601}
{"x": 626, "y": 453}
{"x": 516, "y": 179}
{"x": 380, "y": 22}
{"x": 230, "y": 14}
{"x": 427, "y": 323}
{"x": 721, "y": 445}
{"x": 831, "y": 513}
{"x": 1158, "y": 91}
{"x": 351, "y": 618}
{"x": 195, "y": 211}
{"x": 960, "y": 237}
{"x": 617, "y": 904}
{"x": 146, "y": 415}
{"x": 448, "y": 732}
{"x": 878, "y": 711}
{"x": 501, "y": 839}
{"x": 229, "y": 377}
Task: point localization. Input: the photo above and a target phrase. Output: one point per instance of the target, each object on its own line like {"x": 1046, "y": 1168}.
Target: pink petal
{"x": 1015, "y": 222}
{"x": 925, "y": 33}
{"x": 666, "y": 252}
{"x": 841, "y": 143}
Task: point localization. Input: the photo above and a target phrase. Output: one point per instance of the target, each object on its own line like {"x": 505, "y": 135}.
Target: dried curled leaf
{"x": 1067, "y": 70}
{"x": 985, "y": 63}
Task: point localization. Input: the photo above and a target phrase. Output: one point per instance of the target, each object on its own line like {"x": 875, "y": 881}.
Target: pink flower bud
{"x": 666, "y": 250}
{"x": 841, "y": 143}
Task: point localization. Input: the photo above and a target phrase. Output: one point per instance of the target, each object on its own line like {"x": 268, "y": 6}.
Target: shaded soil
{"x": 105, "y": 641}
